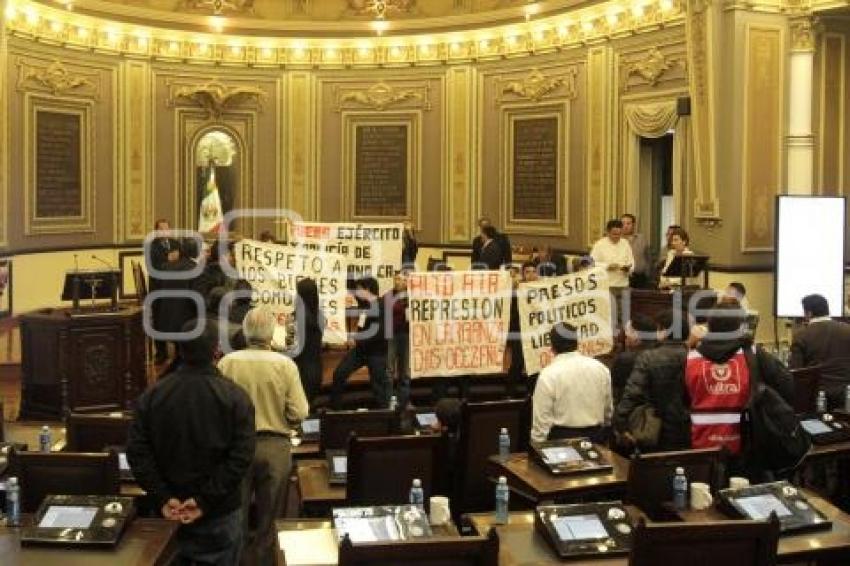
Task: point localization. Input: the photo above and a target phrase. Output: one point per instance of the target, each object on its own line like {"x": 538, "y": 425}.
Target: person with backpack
{"x": 721, "y": 376}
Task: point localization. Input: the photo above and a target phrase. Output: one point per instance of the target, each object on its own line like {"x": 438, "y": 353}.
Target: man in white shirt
{"x": 274, "y": 386}
{"x": 572, "y": 397}
{"x": 615, "y": 253}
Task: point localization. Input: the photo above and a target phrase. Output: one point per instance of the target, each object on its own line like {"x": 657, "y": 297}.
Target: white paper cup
{"x": 700, "y": 496}
{"x": 440, "y": 512}
{"x": 738, "y": 482}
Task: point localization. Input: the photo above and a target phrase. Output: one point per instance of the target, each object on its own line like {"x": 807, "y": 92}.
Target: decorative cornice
{"x": 651, "y": 67}
{"x": 265, "y": 44}
{"x": 217, "y": 7}
{"x": 381, "y": 95}
{"x": 536, "y": 86}
{"x": 216, "y": 97}
{"x": 381, "y": 8}
{"x": 56, "y": 79}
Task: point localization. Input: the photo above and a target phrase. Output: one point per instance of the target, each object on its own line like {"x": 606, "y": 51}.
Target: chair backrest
{"x": 650, "y": 482}
{"x": 63, "y": 473}
{"x": 806, "y": 386}
{"x": 381, "y": 470}
{"x": 95, "y": 432}
{"x": 456, "y": 551}
{"x": 480, "y": 424}
{"x": 731, "y": 543}
{"x": 337, "y": 426}
{"x": 139, "y": 280}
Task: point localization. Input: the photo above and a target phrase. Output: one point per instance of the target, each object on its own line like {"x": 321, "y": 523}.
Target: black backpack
{"x": 771, "y": 432}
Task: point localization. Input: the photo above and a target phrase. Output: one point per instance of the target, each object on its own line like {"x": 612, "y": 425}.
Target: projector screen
{"x": 809, "y": 252}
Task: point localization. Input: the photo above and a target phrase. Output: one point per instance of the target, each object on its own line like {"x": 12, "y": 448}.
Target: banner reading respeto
{"x": 369, "y": 249}
{"x": 581, "y": 299}
{"x": 458, "y": 322}
{"x": 274, "y": 270}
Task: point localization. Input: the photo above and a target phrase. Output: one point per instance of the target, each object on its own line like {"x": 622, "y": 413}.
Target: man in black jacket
{"x": 657, "y": 380}
{"x": 369, "y": 346}
{"x": 190, "y": 446}
{"x": 505, "y": 254}
{"x": 826, "y": 343}
{"x": 163, "y": 250}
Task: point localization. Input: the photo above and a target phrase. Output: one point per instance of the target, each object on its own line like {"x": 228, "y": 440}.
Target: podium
{"x": 94, "y": 363}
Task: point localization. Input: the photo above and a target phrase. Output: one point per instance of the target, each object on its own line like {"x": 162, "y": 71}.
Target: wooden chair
{"x": 730, "y": 543}
{"x": 480, "y": 424}
{"x": 142, "y": 292}
{"x": 63, "y": 473}
{"x": 806, "y": 386}
{"x": 456, "y": 551}
{"x": 336, "y": 427}
{"x": 96, "y": 432}
{"x": 650, "y": 482}
{"x": 381, "y": 470}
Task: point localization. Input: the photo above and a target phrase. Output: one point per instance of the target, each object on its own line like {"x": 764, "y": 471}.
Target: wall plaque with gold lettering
{"x": 58, "y": 158}
{"x": 381, "y": 170}
{"x": 535, "y": 168}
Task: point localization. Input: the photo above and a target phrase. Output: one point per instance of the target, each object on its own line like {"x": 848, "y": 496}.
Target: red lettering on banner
{"x": 312, "y": 231}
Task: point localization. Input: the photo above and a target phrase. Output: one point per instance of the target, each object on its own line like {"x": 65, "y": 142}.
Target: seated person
{"x": 572, "y": 397}
{"x": 737, "y": 291}
{"x": 657, "y": 381}
{"x": 679, "y": 241}
{"x": 549, "y": 264}
{"x": 826, "y": 343}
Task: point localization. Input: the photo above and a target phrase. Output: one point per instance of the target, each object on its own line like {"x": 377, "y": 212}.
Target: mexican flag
{"x": 211, "y": 215}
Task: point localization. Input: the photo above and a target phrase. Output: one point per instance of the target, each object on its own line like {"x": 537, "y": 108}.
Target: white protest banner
{"x": 274, "y": 270}
{"x": 370, "y": 249}
{"x": 458, "y": 322}
{"x": 581, "y": 299}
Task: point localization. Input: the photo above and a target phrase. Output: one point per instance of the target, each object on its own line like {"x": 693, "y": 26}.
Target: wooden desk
{"x": 521, "y": 545}
{"x": 805, "y": 547}
{"x": 531, "y": 481}
{"x": 305, "y": 450}
{"x": 320, "y": 532}
{"x": 146, "y": 542}
{"x": 316, "y": 494}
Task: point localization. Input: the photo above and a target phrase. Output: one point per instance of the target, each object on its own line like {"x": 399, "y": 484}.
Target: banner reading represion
{"x": 458, "y": 322}
{"x": 581, "y": 299}
{"x": 370, "y": 249}
{"x": 274, "y": 270}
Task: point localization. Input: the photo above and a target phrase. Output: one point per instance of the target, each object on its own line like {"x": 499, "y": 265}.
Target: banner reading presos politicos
{"x": 274, "y": 270}
{"x": 581, "y": 299}
{"x": 458, "y": 322}
{"x": 369, "y": 249}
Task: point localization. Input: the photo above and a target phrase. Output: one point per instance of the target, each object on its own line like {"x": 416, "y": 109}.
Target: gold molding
{"x": 651, "y": 67}
{"x": 85, "y": 222}
{"x": 559, "y": 226}
{"x": 835, "y": 124}
{"x": 598, "y": 127}
{"x": 136, "y": 127}
{"x": 55, "y": 79}
{"x": 802, "y": 34}
{"x": 536, "y": 86}
{"x": 460, "y": 157}
{"x": 301, "y": 145}
{"x": 382, "y": 95}
{"x": 217, "y": 7}
{"x": 216, "y": 97}
{"x": 412, "y": 120}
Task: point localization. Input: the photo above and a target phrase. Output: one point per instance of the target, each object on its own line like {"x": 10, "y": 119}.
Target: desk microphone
{"x": 103, "y": 261}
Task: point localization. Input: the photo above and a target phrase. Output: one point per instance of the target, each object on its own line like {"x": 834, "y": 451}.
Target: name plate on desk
{"x": 758, "y": 502}
{"x": 381, "y": 524}
{"x": 570, "y": 456}
{"x": 586, "y": 529}
{"x": 80, "y": 520}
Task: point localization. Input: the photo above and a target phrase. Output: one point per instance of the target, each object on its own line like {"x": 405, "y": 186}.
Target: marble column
{"x": 800, "y": 142}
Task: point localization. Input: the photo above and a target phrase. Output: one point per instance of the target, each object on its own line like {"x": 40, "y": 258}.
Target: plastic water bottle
{"x": 393, "y": 403}
{"x": 503, "y": 495}
{"x": 680, "y": 490}
{"x": 847, "y": 399}
{"x": 417, "y": 495}
{"x": 504, "y": 444}
{"x": 820, "y": 404}
{"x": 44, "y": 439}
{"x": 13, "y": 502}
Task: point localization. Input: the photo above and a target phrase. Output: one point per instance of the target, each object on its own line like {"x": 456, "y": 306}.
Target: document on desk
{"x": 367, "y": 529}
{"x": 309, "y": 547}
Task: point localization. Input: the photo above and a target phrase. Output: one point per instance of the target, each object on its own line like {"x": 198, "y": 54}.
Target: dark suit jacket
{"x": 504, "y": 254}
{"x": 825, "y": 344}
{"x": 159, "y": 250}
{"x": 174, "y": 312}
{"x": 555, "y": 265}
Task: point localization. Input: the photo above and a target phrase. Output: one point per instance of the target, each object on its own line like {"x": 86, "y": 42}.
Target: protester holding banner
{"x": 572, "y": 397}
{"x": 309, "y": 326}
{"x": 398, "y": 354}
{"x": 370, "y": 346}
{"x": 409, "y": 247}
